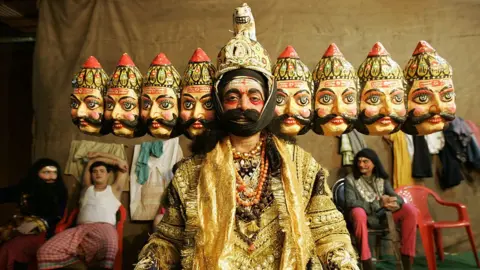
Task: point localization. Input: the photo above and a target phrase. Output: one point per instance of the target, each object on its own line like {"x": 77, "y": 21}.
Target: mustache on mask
{"x": 127, "y": 123}
{"x": 327, "y": 118}
{"x": 237, "y": 114}
{"x": 168, "y": 123}
{"x": 206, "y": 123}
{"x": 301, "y": 120}
{"x": 91, "y": 121}
{"x": 370, "y": 120}
{"x": 415, "y": 120}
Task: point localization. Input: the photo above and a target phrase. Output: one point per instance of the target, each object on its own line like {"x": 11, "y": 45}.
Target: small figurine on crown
{"x": 430, "y": 91}
{"x": 382, "y": 94}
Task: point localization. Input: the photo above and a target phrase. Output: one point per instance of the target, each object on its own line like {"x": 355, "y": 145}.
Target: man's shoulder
{"x": 186, "y": 173}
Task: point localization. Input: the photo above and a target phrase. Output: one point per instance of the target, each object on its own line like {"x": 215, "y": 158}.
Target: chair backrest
{"x": 418, "y": 196}
{"x": 338, "y": 191}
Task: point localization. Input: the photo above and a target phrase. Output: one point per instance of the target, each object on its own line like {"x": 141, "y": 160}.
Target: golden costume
{"x": 300, "y": 227}
{"x": 269, "y": 208}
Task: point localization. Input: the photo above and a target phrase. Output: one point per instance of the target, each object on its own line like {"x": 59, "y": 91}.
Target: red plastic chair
{"x": 69, "y": 220}
{"x": 430, "y": 229}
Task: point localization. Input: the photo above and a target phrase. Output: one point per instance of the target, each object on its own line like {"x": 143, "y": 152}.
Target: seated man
{"x": 94, "y": 239}
{"x": 368, "y": 194}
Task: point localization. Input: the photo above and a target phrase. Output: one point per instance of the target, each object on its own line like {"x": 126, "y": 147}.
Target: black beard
{"x": 91, "y": 121}
{"x": 237, "y": 114}
{"x": 248, "y": 128}
{"x": 412, "y": 121}
{"x": 168, "y": 123}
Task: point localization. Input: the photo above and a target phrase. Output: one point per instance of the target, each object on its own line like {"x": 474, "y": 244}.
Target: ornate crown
{"x": 199, "y": 71}
{"x": 290, "y": 67}
{"x": 426, "y": 64}
{"x": 162, "y": 73}
{"x": 242, "y": 52}
{"x": 126, "y": 75}
{"x": 92, "y": 76}
{"x": 379, "y": 65}
{"x": 333, "y": 65}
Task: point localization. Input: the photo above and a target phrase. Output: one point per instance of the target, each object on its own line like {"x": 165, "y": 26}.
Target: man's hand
{"x": 92, "y": 155}
{"x": 27, "y": 227}
{"x": 122, "y": 166}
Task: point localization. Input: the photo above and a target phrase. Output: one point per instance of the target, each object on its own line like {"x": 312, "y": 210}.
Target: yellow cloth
{"x": 77, "y": 157}
{"x": 402, "y": 164}
{"x": 216, "y": 212}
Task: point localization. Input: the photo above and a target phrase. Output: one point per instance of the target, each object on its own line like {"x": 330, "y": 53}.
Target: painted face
{"x": 336, "y": 106}
{"x": 365, "y": 165}
{"x": 382, "y": 106}
{"x": 245, "y": 99}
{"x": 294, "y": 106}
{"x": 196, "y": 108}
{"x": 122, "y": 108}
{"x": 99, "y": 175}
{"x": 87, "y": 109}
{"x": 159, "y": 110}
{"x": 431, "y": 103}
{"x": 48, "y": 174}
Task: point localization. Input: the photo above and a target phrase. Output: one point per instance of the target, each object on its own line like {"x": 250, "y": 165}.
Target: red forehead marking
{"x": 382, "y": 84}
{"x": 154, "y": 90}
{"x": 83, "y": 91}
{"x": 292, "y": 84}
{"x": 338, "y": 83}
{"x": 431, "y": 83}
{"x": 117, "y": 91}
{"x": 198, "y": 89}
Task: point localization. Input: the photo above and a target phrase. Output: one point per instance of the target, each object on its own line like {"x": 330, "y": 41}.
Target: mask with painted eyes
{"x": 336, "y": 93}
{"x": 382, "y": 107}
{"x": 430, "y": 91}
{"x": 86, "y": 101}
{"x": 293, "y": 111}
{"x": 196, "y": 105}
{"x": 160, "y": 94}
{"x": 122, "y": 100}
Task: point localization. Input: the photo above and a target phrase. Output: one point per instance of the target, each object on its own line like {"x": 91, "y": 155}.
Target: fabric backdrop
{"x": 70, "y": 31}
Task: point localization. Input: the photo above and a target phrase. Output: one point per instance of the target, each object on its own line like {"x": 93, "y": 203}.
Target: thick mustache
{"x": 163, "y": 122}
{"x": 370, "y": 120}
{"x": 91, "y": 121}
{"x": 301, "y": 120}
{"x": 128, "y": 123}
{"x": 236, "y": 114}
{"x": 415, "y": 120}
{"x": 189, "y": 122}
{"x": 327, "y": 118}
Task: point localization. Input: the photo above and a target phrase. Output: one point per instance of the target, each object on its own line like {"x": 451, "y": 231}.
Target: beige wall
{"x": 69, "y": 33}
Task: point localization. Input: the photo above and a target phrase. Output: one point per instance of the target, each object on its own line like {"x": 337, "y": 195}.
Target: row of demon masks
{"x": 379, "y": 99}
{"x": 130, "y": 105}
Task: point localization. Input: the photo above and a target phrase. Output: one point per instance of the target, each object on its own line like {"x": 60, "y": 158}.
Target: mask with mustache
{"x": 364, "y": 121}
{"x": 320, "y": 121}
{"x": 412, "y": 121}
{"x": 138, "y": 127}
{"x": 184, "y": 125}
{"x": 275, "y": 125}
{"x": 105, "y": 126}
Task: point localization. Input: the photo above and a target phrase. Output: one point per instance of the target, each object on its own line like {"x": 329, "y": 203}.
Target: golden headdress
{"x": 199, "y": 71}
{"x": 290, "y": 67}
{"x": 162, "y": 73}
{"x": 426, "y": 64}
{"x": 126, "y": 75}
{"x": 333, "y": 65}
{"x": 379, "y": 65}
{"x": 91, "y": 76}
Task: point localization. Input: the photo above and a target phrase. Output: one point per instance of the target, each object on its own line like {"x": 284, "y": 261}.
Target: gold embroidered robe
{"x": 324, "y": 233}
